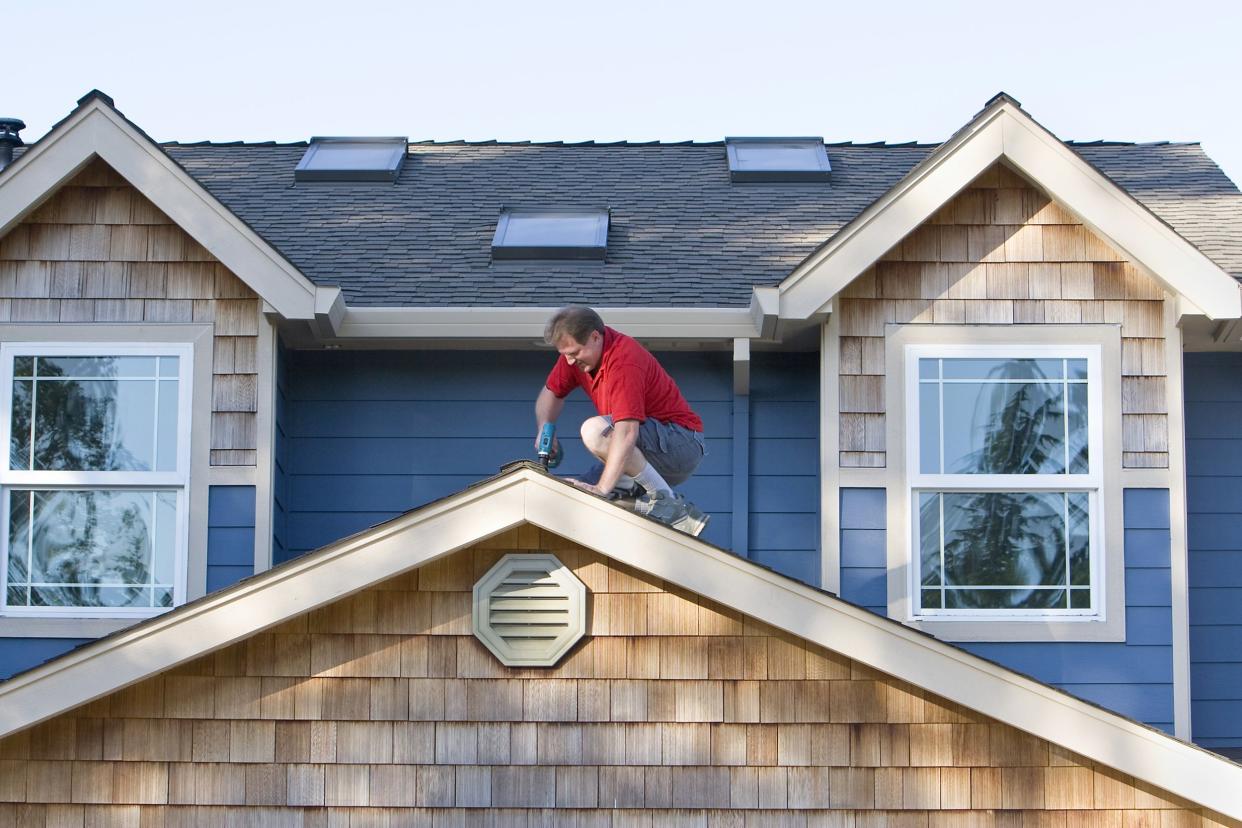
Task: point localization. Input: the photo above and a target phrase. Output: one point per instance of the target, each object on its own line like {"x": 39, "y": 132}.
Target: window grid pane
{"x": 109, "y": 414}
{"x": 997, "y": 546}
{"x": 1004, "y": 550}
{"x": 95, "y": 547}
{"x": 91, "y": 548}
{"x": 1003, "y": 416}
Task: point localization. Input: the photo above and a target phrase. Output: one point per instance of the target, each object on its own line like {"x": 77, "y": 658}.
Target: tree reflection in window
{"x": 1004, "y": 549}
{"x": 96, "y": 547}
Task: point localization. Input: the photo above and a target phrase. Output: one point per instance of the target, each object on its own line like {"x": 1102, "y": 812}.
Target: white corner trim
{"x": 524, "y": 495}
{"x": 1179, "y": 554}
{"x": 830, "y": 483}
{"x": 1006, "y": 132}
{"x": 265, "y": 455}
{"x": 691, "y": 324}
{"x": 97, "y": 130}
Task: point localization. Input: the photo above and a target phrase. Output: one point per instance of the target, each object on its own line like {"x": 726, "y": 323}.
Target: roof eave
{"x": 340, "y": 322}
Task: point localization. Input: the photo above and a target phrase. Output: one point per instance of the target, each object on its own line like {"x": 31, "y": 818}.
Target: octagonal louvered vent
{"x": 529, "y": 610}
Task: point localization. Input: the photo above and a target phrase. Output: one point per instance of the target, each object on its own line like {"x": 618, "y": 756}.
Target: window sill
{"x": 30, "y": 627}
{"x": 986, "y": 629}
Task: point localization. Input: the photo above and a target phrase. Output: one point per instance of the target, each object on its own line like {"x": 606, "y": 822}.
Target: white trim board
{"x": 1003, "y": 131}
{"x": 528, "y": 323}
{"x": 525, "y": 495}
{"x": 96, "y": 130}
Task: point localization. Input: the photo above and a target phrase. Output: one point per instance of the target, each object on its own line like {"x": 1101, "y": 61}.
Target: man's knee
{"x": 593, "y": 433}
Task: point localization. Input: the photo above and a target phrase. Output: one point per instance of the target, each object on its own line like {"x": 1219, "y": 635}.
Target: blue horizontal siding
{"x": 783, "y": 464}
{"x": 20, "y": 654}
{"x": 1213, "y": 384}
{"x": 801, "y": 564}
{"x": 1134, "y": 677}
{"x": 864, "y": 551}
{"x": 1213, "y": 569}
{"x": 367, "y": 436}
{"x": 1216, "y": 681}
{"x": 867, "y": 587}
{"x": 230, "y": 535}
{"x": 1217, "y": 720}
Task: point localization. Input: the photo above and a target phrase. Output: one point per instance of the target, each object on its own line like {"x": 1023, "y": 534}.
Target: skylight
{"x": 352, "y": 159}
{"x": 777, "y": 159}
{"x": 551, "y": 234}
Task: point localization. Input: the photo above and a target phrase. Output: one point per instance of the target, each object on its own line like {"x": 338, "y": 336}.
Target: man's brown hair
{"x": 575, "y": 320}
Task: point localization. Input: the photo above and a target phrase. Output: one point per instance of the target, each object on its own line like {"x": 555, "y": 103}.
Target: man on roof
{"x": 646, "y": 434}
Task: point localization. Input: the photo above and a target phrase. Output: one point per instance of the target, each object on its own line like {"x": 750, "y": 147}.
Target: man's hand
{"x": 587, "y": 487}
{"x": 547, "y": 408}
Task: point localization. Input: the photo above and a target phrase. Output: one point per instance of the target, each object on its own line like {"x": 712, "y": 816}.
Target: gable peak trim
{"x": 96, "y": 129}
{"x": 1003, "y": 131}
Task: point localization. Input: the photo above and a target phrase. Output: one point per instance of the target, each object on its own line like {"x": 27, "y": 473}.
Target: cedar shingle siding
{"x": 98, "y": 251}
{"x": 383, "y": 709}
{"x": 1002, "y": 252}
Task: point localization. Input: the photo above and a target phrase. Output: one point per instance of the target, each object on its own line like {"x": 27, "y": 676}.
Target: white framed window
{"x": 1004, "y": 473}
{"x": 94, "y": 493}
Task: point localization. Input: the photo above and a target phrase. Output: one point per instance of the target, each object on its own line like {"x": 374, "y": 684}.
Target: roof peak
{"x": 96, "y": 95}
{"x": 1002, "y": 97}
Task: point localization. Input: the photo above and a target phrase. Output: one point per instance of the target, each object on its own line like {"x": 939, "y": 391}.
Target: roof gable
{"x": 96, "y": 130}
{"x": 525, "y": 495}
{"x": 1004, "y": 132}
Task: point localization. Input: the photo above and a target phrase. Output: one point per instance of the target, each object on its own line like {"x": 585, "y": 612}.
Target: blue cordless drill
{"x": 550, "y": 451}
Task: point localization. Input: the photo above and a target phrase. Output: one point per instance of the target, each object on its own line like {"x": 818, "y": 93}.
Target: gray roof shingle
{"x": 681, "y": 234}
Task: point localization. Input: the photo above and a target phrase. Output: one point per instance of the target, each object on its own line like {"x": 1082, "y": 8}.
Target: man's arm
{"x": 620, "y": 447}
{"x": 548, "y": 408}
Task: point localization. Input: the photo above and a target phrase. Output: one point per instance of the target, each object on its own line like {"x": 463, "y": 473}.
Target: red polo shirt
{"x": 629, "y": 384}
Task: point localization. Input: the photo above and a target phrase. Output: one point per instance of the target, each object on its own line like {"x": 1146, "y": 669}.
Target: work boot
{"x": 671, "y": 509}
{"x": 626, "y": 493}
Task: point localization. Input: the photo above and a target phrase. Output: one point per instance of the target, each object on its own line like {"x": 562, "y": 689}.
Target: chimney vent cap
{"x": 9, "y": 127}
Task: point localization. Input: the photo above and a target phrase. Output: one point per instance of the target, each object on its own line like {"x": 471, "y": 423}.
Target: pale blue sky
{"x": 861, "y": 71}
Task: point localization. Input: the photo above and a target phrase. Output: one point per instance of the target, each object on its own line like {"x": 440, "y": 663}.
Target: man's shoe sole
{"x": 691, "y": 525}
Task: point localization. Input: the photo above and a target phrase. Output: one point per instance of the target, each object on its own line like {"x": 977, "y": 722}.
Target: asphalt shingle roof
{"x": 681, "y": 234}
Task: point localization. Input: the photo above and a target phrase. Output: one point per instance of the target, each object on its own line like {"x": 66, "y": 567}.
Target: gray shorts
{"x": 673, "y": 449}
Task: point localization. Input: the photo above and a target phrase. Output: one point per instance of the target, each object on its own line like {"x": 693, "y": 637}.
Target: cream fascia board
{"x": 98, "y": 130}
{"x": 1007, "y": 132}
{"x": 873, "y": 232}
{"x": 693, "y": 324}
{"x": 1118, "y": 217}
{"x": 528, "y": 496}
